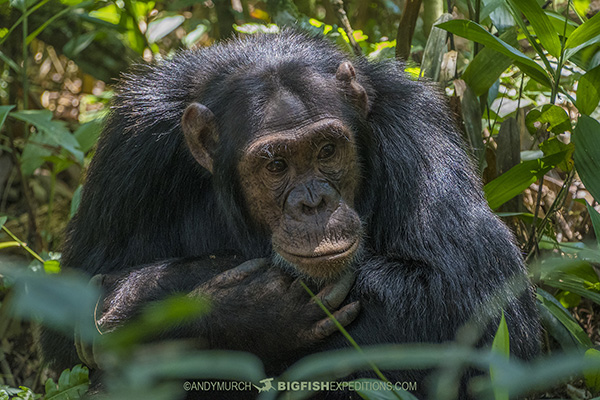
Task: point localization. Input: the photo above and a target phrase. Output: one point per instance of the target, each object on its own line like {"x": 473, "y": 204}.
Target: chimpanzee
{"x": 291, "y": 158}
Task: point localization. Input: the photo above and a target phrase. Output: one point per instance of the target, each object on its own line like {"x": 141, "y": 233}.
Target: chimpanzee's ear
{"x": 200, "y": 131}
{"x": 346, "y": 75}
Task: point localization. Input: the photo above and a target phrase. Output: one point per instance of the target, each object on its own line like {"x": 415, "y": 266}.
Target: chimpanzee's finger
{"x": 240, "y": 272}
{"x": 327, "y": 326}
{"x": 333, "y": 295}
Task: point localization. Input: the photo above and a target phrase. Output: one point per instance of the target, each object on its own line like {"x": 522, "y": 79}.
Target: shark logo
{"x": 267, "y": 385}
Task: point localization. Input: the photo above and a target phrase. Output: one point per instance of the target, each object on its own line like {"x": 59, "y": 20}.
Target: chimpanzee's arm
{"x": 255, "y": 307}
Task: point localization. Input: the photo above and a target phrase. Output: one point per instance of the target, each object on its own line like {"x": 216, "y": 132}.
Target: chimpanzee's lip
{"x": 318, "y": 258}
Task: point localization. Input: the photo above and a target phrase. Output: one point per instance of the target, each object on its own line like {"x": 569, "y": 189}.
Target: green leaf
{"x": 79, "y": 43}
{"x": 157, "y": 316}
{"x": 556, "y": 309}
{"x": 35, "y": 152}
{"x": 588, "y": 91}
{"x": 2, "y": 221}
{"x": 541, "y": 24}
{"x": 488, "y": 64}
{"x": 594, "y": 216}
{"x": 87, "y": 134}
{"x": 52, "y": 266}
{"x": 556, "y": 117}
{"x": 568, "y": 299}
{"x": 558, "y": 22}
{"x": 62, "y": 302}
{"x": 160, "y": 28}
{"x": 500, "y": 346}
{"x": 192, "y": 37}
{"x": 586, "y": 138}
{"x": 4, "y": 110}
{"x": 586, "y": 34}
{"x": 55, "y": 131}
{"x": 592, "y": 376}
{"x": 472, "y": 31}
{"x": 553, "y": 146}
{"x": 72, "y": 384}
{"x": 518, "y": 178}
{"x": 75, "y": 201}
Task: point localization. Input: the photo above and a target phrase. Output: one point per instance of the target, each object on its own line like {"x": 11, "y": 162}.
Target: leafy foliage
{"x": 545, "y": 93}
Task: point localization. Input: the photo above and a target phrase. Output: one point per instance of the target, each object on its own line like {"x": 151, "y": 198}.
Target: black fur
{"x": 433, "y": 254}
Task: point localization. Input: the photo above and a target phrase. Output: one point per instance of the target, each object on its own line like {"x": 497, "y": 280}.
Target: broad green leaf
{"x": 160, "y": 28}
{"x": 586, "y": 138}
{"x": 594, "y": 216}
{"x": 158, "y": 316}
{"x": 556, "y": 309}
{"x": 110, "y": 13}
{"x": 4, "y": 110}
{"x": 556, "y": 117}
{"x": 587, "y": 34}
{"x": 592, "y": 376}
{"x": 35, "y": 152}
{"x": 587, "y": 31}
{"x": 488, "y": 64}
{"x": 3, "y": 221}
{"x": 72, "y": 384}
{"x": 518, "y": 178}
{"x": 87, "y": 134}
{"x": 79, "y": 43}
{"x": 568, "y": 299}
{"x": 574, "y": 284}
{"x": 574, "y": 267}
{"x": 581, "y": 6}
{"x": 500, "y": 346}
{"x": 502, "y": 18}
{"x": 553, "y": 146}
{"x": 541, "y": 24}
{"x": 558, "y": 22}
{"x": 61, "y": 302}
{"x": 55, "y": 131}
{"x": 475, "y": 32}
{"x": 588, "y": 91}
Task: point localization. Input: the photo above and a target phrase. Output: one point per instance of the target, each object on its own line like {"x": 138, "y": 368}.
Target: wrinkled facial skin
{"x": 300, "y": 183}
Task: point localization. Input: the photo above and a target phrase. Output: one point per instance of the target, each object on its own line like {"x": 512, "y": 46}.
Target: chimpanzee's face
{"x": 300, "y": 182}
{"x": 299, "y": 174}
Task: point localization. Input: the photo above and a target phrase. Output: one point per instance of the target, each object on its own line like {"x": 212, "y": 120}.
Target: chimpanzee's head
{"x": 299, "y": 167}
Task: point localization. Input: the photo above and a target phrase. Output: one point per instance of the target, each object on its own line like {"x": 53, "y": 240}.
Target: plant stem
{"x": 24, "y": 70}
{"x": 347, "y": 335}
{"x": 23, "y": 244}
{"x": 343, "y": 18}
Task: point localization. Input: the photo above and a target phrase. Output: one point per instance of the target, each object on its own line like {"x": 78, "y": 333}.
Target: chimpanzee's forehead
{"x": 286, "y": 110}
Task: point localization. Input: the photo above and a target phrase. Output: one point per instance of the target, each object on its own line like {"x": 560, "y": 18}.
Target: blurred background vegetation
{"x": 523, "y": 81}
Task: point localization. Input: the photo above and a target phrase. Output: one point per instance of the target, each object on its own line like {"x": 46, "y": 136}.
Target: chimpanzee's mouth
{"x": 316, "y": 257}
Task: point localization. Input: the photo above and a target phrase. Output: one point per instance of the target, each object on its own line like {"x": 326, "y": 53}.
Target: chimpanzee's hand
{"x": 261, "y": 309}
{"x": 255, "y": 307}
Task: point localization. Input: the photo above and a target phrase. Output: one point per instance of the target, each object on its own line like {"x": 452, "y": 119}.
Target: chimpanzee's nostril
{"x": 308, "y": 208}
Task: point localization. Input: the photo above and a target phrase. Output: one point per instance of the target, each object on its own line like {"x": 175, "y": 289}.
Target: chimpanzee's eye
{"x": 326, "y": 151}
{"x": 276, "y": 166}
